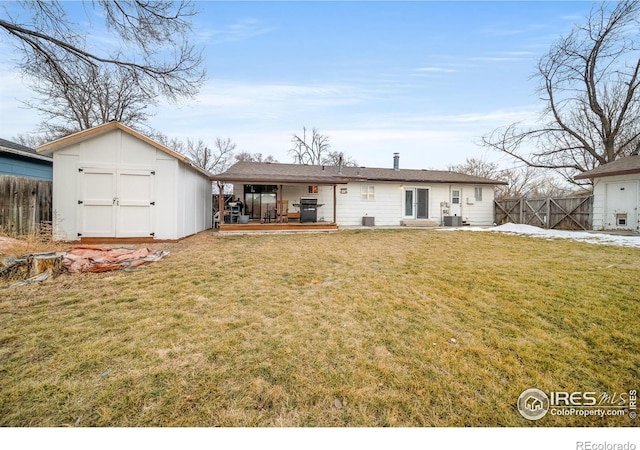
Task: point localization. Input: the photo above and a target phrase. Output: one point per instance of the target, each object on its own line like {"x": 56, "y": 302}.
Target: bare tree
{"x": 214, "y": 160}
{"x": 254, "y": 157}
{"x": 95, "y": 95}
{"x": 310, "y": 149}
{"x": 339, "y": 158}
{"x": 154, "y": 51}
{"x": 522, "y": 181}
{"x": 31, "y": 139}
{"x": 478, "y": 167}
{"x": 315, "y": 150}
{"x": 589, "y": 81}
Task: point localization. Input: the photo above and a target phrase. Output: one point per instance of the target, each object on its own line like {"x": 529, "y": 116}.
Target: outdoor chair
{"x": 283, "y": 209}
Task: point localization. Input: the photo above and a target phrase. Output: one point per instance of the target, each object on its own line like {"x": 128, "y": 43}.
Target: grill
{"x": 308, "y": 210}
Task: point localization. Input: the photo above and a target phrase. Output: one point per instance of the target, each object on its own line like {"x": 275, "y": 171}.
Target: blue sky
{"x": 425, "y": 79}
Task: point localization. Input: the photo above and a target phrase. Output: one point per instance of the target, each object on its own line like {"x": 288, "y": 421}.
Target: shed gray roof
{"x": 297, "y": 173}
{"x": 622, "y": 166}
{"x": 21, "y": 150}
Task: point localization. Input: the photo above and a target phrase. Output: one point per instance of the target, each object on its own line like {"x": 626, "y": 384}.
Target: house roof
{"x": 52, "y": 147}
{"x": 297, "y": 173}
{"x": 622, "y": 166}
{"x": 22, "y": 150}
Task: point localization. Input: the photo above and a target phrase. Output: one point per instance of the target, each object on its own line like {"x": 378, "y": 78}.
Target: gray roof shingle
{"x": 622, "y": 166}
{"x": 298, "y": 173}
{"x": 21, "y": 150}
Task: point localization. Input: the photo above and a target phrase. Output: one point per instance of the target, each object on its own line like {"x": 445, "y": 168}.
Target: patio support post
{"x": 220, "y": 204}
{"x": 334, "y": 204}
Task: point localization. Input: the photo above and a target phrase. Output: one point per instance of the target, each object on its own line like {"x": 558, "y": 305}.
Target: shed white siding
{"x": 114, "y": 184}
{"x": 616, "y": 202}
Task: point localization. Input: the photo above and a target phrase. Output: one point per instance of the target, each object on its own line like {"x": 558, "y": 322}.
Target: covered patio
{"x": 280, "y": 202}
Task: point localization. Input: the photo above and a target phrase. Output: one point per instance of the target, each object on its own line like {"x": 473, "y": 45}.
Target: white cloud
{"x": 241, "y": 30}
{"x": 253, "y": 100}
{"x": 435, "y": 69}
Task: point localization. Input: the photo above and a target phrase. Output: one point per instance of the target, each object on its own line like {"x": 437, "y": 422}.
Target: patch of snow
{"x": 581, "y": 236}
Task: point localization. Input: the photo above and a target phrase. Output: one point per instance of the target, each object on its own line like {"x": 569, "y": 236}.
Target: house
{"x": 112, "y": 182}
{"x": 25, "y": 189}
{"x": 616, "y": 194}
{"x": 533, "y": 404}
{"x": 20, "y": 161}
{"x": 351, "y": 196}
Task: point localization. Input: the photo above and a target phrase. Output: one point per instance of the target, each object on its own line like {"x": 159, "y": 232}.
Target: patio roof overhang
{"x": 282, "y": 179}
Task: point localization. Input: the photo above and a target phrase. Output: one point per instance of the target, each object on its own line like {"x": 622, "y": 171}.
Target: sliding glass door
{"x": 258, "y": 198}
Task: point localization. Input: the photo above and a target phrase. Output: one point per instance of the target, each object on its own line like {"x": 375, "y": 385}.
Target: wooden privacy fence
{"x": 568, "y": 213}
{"x": 25, "y": 204}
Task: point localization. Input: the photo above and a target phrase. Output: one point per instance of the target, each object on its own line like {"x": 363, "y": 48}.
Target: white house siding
{"x": 479, "y": 213}
{"x": 181, "y": 195}
{"x": 388, "y": 206}
{"x": 609, "y": 200}
{"x": 385, "y": 208}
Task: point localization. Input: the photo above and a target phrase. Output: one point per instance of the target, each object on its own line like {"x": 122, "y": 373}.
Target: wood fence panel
{"x": 567, "y": 213}
{"x": 25, "y": 203}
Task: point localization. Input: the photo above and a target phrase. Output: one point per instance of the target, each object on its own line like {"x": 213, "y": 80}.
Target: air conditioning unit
{"x": 470, "y": 200}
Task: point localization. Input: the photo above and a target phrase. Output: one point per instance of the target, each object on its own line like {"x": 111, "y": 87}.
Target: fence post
{"x": 547, "y": 213}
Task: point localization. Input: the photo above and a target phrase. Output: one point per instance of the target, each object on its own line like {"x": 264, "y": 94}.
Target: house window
{"x": 478, "y": 194}
{"x": 312, "y": 189}
{"x": 455, "y": 197}
{"x": 368, "y": 193}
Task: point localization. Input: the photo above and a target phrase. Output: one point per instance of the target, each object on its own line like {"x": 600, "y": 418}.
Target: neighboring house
{"x": 616, "y": 194}
{"x": 360, "y": 195}
{"x": 25, "y": 189}
{"x": 113, "y": 182}
{"x": 21, "y": 161}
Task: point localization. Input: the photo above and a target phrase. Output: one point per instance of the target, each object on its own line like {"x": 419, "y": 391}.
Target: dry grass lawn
{"x": 344, "y": 329}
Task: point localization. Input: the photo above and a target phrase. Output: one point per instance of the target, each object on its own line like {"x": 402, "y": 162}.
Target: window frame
{"x": 368, "y": 193}
{"x": 455, "y": 199}
{"x": 477, "y": 194}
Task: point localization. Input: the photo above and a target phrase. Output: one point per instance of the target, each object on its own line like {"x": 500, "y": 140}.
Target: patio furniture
{"x": 267, "y": 213}
{"x": 282, "y": 210}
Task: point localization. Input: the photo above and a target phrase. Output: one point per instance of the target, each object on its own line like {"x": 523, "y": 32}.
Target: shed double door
{"x": 115, "y": 203}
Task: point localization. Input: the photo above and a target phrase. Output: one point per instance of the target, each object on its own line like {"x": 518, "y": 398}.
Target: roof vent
{"x": 396, "y": 161}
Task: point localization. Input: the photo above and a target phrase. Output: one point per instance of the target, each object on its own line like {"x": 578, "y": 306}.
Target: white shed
{"x": 616, "y": 194}
{"x": 112, "y": 182}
